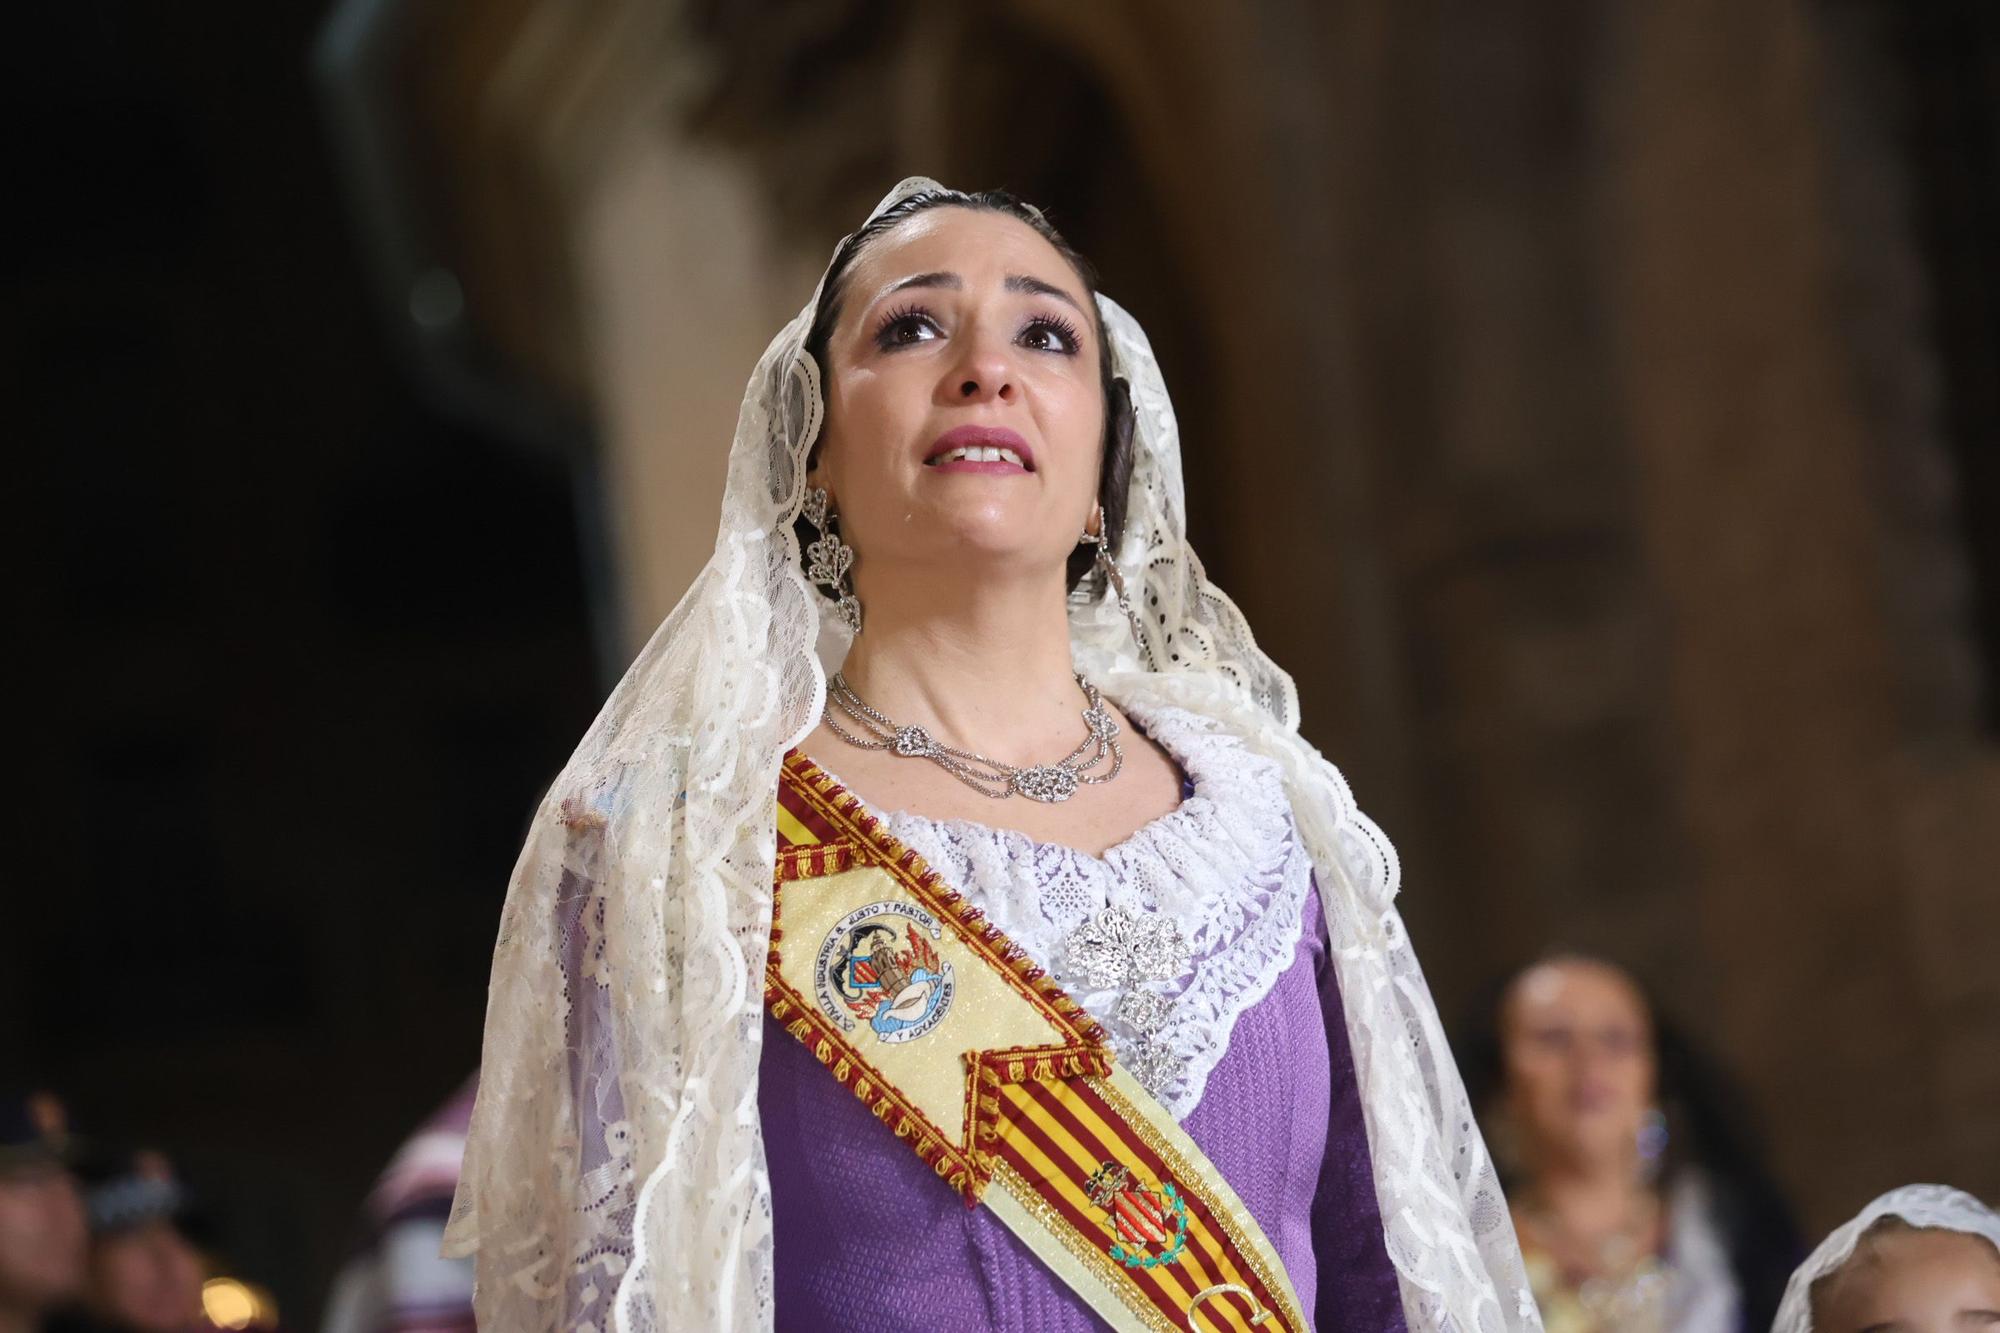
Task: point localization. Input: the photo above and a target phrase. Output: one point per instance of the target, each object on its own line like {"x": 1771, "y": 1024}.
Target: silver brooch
{"x": 1116, "y": 949}
{"x": 1152, "y": 1064}
{"x": 1144, "y": 1010}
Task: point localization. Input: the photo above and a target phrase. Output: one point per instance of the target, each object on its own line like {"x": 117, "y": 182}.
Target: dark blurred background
{"x": 301, "y": 645}
{"x": 1594, "y": 405}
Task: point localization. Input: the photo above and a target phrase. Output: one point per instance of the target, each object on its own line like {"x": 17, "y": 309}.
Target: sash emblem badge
{"x": 879, "y": 965}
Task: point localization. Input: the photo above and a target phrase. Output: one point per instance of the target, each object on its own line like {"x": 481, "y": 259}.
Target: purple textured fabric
{"x": 869, "y": 1240}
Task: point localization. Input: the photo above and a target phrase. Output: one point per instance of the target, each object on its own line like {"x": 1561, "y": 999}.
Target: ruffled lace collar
{"x": 1224, "y": 868}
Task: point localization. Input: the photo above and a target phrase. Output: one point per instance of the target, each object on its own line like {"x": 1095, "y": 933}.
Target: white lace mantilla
{"x": 1225, "y": 867}
{"x": 614, "y": 1175}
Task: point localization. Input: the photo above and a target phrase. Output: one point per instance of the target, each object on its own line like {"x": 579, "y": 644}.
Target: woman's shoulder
{"x": 1221, "y": 765}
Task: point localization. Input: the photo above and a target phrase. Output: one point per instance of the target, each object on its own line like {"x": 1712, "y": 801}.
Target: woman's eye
{"x": 1619, "y": 1041}
{"x": 1049, "y": 335}
{"x": 906, "y": 328}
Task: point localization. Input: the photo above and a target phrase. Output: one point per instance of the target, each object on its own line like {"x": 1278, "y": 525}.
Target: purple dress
{"x": 868, "y": 1239}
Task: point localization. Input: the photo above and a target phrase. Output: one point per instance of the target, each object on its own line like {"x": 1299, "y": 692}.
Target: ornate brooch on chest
{"x": 1115, "y": 950}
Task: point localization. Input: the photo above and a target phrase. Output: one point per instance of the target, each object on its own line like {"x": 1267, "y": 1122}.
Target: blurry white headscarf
{"x": 615, "y": 1176}
{"x": 1935, "y": 1206}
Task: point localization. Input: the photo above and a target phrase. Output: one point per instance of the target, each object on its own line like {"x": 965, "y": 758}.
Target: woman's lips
{"x": 992, "y": 449}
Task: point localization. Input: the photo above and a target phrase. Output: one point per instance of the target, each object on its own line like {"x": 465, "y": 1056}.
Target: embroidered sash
{"x": 964, "y": 1049}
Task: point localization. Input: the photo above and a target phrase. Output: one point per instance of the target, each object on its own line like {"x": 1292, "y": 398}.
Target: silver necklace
{"x": 1048, "y": 783}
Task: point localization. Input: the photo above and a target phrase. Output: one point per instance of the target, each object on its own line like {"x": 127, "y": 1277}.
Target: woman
{"x": 1923, "y": 1258}
{"x": 1111, "y": 1022}
{"x": 1636, "y": 1207}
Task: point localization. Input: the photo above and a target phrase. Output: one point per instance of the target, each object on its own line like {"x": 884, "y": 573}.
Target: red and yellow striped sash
{"x": 965, "y": 1049}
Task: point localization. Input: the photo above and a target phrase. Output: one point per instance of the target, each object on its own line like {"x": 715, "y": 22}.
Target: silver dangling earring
{"x": 829, "y": 558}
{"x": 1116, "y": 582}
{"x": 1653, "y": 1138}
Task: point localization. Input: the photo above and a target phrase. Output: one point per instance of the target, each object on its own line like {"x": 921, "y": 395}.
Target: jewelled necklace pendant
{"x": 913, "y": 742}
{"x": 1047, "y": 783}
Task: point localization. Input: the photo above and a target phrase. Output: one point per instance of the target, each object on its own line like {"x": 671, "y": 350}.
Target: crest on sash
{"x": 1150, "y": 1225}
{"x": 879, "y": 965}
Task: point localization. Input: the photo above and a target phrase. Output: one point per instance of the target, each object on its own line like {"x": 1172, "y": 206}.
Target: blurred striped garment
{"x": 396, "y": 1282}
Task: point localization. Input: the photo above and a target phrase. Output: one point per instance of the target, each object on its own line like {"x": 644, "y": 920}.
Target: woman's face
{"x": 961, "y": 330}
{"x": 1919, "y": 1281}
{"x": 1578, "y": 1048}
{"x": 147, "y": 1278}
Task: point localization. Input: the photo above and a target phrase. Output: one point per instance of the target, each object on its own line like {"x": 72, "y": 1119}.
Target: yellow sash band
{"x": 966, "y": 1050}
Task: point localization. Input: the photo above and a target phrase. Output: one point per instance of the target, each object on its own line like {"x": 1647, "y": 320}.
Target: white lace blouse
{"x": 1223, "y": 870}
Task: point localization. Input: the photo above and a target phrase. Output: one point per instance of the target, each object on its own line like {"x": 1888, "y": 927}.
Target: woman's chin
{"x": 1592, "y": 1151}
{"x": 1002, "y": 555}
{"x": 999, "y": 538}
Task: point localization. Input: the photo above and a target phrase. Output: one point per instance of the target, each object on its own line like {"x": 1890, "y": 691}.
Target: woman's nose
{"x": 985, "y": 373}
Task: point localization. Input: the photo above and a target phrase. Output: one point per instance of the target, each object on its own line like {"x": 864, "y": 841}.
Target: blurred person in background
{"x": 1638, "y": 1205}
{"x": 42, "y": 1231}
{"x": 146, "y": 1273}
{"x": 397, "y": 1281}
{"x": 1920, "y": 1259}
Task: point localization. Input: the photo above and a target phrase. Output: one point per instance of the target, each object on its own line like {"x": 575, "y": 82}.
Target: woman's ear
{"x": 815, "y": 457}
{"x": 1122, "y": 417}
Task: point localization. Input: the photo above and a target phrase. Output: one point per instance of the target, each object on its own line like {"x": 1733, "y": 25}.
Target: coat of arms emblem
{"x": 879, "y": 965}
{"x": 1149, "y": 1226}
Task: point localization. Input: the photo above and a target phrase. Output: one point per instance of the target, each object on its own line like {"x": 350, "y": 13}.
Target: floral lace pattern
{"x": 1224, "y": 866}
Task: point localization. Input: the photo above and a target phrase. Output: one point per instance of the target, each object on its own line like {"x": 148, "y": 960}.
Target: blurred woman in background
{"x": 1638, "y": 1208}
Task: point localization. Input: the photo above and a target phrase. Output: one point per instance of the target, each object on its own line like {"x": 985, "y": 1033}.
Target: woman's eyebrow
{"x": 1020, "y": 282}
{"x": 950, "y": 281}
{"x": 1015, "y": 282}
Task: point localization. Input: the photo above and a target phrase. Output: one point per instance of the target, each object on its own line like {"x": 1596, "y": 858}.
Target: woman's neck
{"x": 1590, "y": 1198}
{"x": 985, "y": 668}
